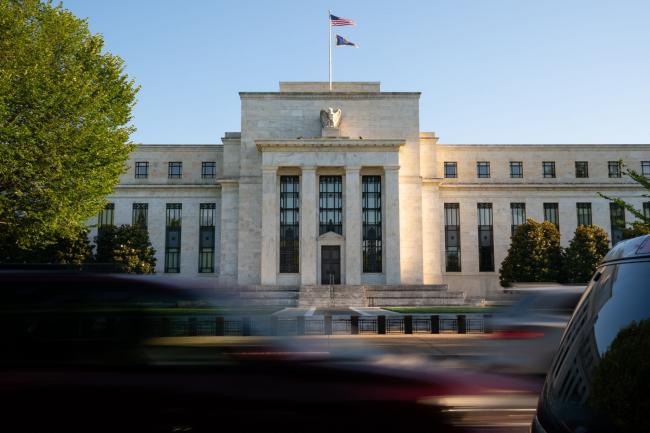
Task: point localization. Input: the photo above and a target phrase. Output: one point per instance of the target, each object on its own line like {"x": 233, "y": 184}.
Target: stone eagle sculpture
{"x": 330, "y": 118}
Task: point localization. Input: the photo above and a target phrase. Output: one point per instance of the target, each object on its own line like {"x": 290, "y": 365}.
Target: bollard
{"x": 274, "y": 325}
{"x": 300, "y": 325}
{"x": 246, "y": 326}
{"x": 435, "y": 324}
{"x": 462, "y": 324}
{"x": 354, "y": 325}
{"x": 408, "y": 324}
{"x": 219, "y": 326}
{"x": 328, "y": 325}
{"x": 487, "y": 323}
{"x": 381, "y": 324}
{"x": 191, "y": 327}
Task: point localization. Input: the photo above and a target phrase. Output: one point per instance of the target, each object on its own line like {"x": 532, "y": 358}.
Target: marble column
{"x": 352, "y": 226}
{"x": 229, "y": 225}
{"x": 270, "y": 227}
{"x": 392, "y": 244}
{"x": 308, "y": 226}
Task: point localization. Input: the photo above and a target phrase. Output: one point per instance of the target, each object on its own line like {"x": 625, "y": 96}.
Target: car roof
{"x": 629, "y": 249}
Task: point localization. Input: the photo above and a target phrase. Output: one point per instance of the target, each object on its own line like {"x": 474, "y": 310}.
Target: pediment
{"x": 330, "y": 236}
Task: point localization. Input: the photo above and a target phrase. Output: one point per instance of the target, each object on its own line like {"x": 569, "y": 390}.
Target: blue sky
{"x": 490, "y": 71}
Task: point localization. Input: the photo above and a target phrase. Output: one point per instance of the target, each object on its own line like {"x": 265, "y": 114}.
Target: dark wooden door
{"x": 330, "y": 264}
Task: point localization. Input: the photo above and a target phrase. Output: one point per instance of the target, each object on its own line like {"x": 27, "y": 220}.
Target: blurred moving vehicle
{"x": 526, "y": 334}
{"x": 86, "y": 352}
{"x": 600, "y": 377}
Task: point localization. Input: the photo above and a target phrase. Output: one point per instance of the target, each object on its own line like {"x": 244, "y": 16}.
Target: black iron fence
{"x": 324, "y": 325}
{"x": 210, "y": 325}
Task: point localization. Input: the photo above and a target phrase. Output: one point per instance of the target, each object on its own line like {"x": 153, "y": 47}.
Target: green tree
{"x": 637, "y": 228}
{"x": 65, "y": 111}
{"x": 72, "y": 249}
{"x": 535, "y": 254}
{"x": 126, "y": 246}
{"x": 586, "y": 250}
{"x": 642, "y": 224}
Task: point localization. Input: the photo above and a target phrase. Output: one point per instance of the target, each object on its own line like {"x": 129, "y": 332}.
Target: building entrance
{"x": 330, "y": 264}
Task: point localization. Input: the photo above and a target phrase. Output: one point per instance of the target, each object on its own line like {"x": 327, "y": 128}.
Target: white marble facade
{"x": 379, "y": 135}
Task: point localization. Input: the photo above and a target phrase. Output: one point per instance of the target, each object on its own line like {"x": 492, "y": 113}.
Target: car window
{"x": 602, "y": 364}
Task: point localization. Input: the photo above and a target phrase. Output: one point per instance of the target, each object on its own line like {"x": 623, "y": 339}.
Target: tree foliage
{"x": 534, "y": 255}
{"x": 126, "y": 246}
{"x": 642, "y": 224}
{"x": 637, "y": 228}
{"x": 65, "y": 111}
{"x": 71, "y": 249}
{"x": 586, "y": 250}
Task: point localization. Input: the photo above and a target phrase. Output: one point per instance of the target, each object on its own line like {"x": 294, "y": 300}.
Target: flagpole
{"x": 329, "y": 22}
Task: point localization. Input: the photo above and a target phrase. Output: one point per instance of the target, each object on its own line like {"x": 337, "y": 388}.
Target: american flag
{"x": 338, "y": 21}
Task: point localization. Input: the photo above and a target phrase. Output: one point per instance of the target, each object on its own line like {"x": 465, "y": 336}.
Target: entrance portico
{"x": 349, "y": 160}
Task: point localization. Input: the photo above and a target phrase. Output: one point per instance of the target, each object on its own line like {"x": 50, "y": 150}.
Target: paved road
{"x": 511, "y": 414}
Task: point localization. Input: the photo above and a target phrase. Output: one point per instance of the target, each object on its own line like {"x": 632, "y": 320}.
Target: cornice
{"x": 143, "y": 186}
{"x": 329, "y": 95}
{"x": 552, "y": 147}
{"x": 172, "y": 147}
{"x": 539, "y": 186}
{"x": 333, "y": 144}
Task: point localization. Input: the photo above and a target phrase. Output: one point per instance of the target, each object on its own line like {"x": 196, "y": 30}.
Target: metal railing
{"x": 209, "y": 325}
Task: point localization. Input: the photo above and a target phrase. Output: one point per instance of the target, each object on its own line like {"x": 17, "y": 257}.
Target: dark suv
{"x": 600, "y": 377}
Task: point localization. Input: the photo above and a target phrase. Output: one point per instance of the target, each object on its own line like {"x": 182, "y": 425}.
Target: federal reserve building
{"x": 341, "y": 188}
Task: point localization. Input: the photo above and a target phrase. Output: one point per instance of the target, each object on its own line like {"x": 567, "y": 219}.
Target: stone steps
{"x": 268, "y": 296}
{"x": 413, "y": 294}
{"x": 274, "y": 302}
{"x": 398, "y": 301}
{"x": 379, "y": 296}
{"x": 320, "y": 296}
{"x": 408, "y": 287}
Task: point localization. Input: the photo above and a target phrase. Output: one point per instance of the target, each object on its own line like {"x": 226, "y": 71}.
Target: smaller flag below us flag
{"x": 340, "y": 40}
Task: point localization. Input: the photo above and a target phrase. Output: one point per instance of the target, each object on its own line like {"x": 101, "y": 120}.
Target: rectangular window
{"x": 452, "y": 237}
{"x": 175, "y": 170}
{"x": 584, "y": 214}
{"x": 548, "y": 169}
{"x": 645, "y": 168}
{"x": 208, "y": 170}
{"x": 518, "y": 213}
{"x": 617, "y": 220}
{"x": 173, "y": 238}
{"x": 582, "y": 169}
{"x": 614, "y": 168}
{"x": 516, "y": 169}
{"x": 331, "y": 204}
{"x": 140, "y": 215}
{"x": 106, "y": 216}
{"x": 646, "y": 209}
{"x": 207, "y": 214}
{"x": 485, "y": 238}
{"x": 141, "y": 170}
{"x": 483, "y": 169}
{"x": 552, "y": 214}
{"x": 451, "y": 170}
{"x": 371, "y": 216}
{"x": 289, "y": 224}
